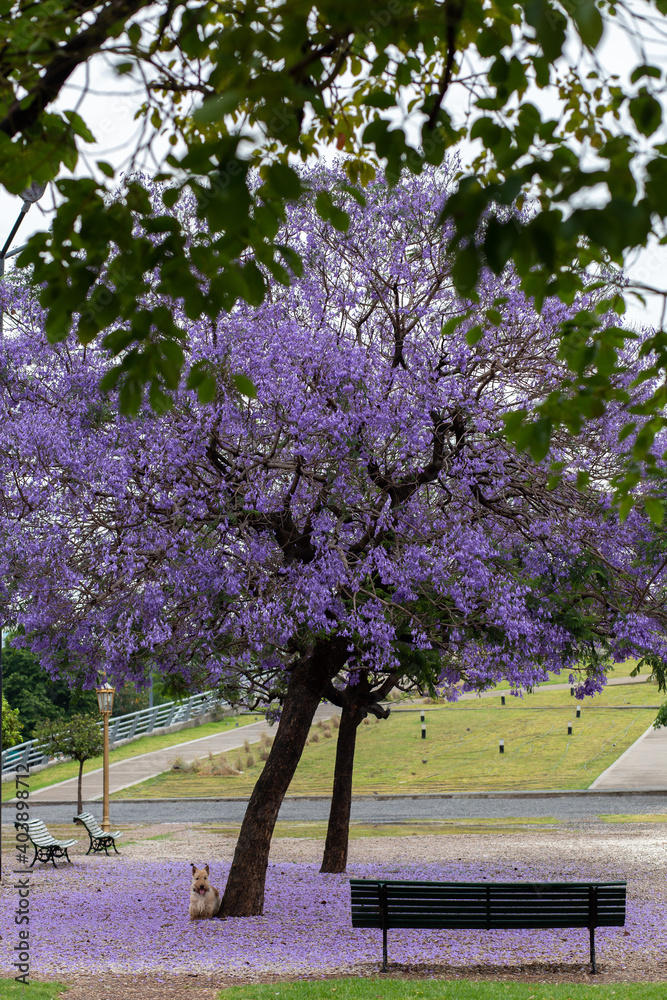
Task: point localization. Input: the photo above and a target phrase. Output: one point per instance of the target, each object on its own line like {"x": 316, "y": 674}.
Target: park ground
{"x": 117, "y": 928}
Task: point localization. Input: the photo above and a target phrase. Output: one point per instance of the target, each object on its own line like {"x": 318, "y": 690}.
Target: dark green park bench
{"x": 99, "y": 840}
{"x": 47, "y": 848}
{"x": 487, "y": 906}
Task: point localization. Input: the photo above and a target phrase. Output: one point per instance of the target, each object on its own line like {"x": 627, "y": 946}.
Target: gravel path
{"x": 638, "y": 953}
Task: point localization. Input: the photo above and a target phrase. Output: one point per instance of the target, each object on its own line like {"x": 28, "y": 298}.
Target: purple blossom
{"x": 121, "y": 915}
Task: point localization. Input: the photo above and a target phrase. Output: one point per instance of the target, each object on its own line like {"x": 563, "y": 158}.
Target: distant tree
{"x": 11, "y": 725}
{"x": 37, "y": 695}
{"x": 79, "y": 737}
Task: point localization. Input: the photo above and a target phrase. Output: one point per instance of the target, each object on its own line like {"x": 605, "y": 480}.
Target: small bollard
{"x": 569, "y": 729}
{"x": 578, "y": 713}
{"x": 423, "y": 730}
{"x": 501, "y": 746}
{"x": 502, "y": 699}
{"x": 572, "y": 692}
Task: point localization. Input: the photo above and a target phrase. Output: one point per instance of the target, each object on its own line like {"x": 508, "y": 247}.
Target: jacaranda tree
{"x": 364, "y": 507}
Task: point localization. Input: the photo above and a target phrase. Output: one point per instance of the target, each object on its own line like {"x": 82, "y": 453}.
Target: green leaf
{"x": 159, "y": 401}
{"x": 284, "y": 180}
{"x": 206, "y": 389}
{"x": 654, "y": 509}
{"x": 379, "y": 99}
{"x": 79, "y": 126}
{"x": 465, "y": 270}
{"x": 514, "y": 421}
{"x": 646, "y": 112}
{"x": 539, "y": 439}
{"x": 645, "y": 70}
{"x": 331, "y": 213}
{"x": 450, "y": 326}
{"x": 134, "y": 33}
{"x": 474, "y": 335}
{"x": 254, "y": 281}
{"x": 130, "y": 397}
{"x": 624, "y": 507}
{"x": 589, "y": 22}
{"x": 215, "y": 108}
{"x": 245, "y": 386}
{"x": 106, "y": 168}
{"x": 291, "y": 258}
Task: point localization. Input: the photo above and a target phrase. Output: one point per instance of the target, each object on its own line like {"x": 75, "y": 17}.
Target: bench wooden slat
{"x": 486, "y": 906}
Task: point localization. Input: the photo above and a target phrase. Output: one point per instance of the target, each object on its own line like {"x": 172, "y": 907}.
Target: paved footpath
{"x": 134, "y": 770}
{"x": 643, "y": 765}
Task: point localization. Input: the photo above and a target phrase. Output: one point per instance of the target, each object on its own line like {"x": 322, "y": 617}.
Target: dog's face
{"x": 200, "y": 882}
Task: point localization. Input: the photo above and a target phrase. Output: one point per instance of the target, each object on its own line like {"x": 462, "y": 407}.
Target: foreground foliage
{"x": 234, "y": 86}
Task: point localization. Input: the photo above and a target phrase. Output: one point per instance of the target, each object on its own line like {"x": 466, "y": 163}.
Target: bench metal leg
{"x": 592, "y": 934}
{"x": 384, "y": 949}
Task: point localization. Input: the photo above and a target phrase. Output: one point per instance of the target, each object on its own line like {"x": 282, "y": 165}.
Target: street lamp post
{"x": 29, "y": 196}
{"x": 105, "y": 701}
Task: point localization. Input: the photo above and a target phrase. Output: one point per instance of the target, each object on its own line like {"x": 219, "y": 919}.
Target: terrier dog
{"x": 204, "y": 899}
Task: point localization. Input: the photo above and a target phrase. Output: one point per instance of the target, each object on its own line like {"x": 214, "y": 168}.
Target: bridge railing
{"x": 123, "y": 727}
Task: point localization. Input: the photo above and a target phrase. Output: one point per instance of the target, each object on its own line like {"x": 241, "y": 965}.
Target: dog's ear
{"x": 194, "y": 868}
{"x": 206, "y": 867}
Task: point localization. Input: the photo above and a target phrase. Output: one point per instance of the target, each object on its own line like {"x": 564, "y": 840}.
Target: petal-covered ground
{"x": 128, "y": 915}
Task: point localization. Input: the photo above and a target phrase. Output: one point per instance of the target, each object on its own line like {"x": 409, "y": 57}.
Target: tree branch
{"x": 22, "y": 114}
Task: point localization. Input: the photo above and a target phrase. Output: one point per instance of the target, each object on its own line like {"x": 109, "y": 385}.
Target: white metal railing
{"x": 122, "y": 727}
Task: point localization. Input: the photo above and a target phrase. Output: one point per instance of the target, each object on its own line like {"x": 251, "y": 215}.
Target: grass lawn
{"x": 70, "y": 769}
{"x": 393, "y": 988}
{"x": 9, "y": 989}
{"x": 460, "y": 752}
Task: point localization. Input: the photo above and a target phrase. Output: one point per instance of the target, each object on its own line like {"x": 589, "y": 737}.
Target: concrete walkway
{"x": 134, "y": 770}
{"x": 643, "y": 765}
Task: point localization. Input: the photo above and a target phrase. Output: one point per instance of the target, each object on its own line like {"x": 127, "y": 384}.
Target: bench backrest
{"x": 91, "y": 824}
{"x": 38, "y": 833}
{"x": 487, "y": 904}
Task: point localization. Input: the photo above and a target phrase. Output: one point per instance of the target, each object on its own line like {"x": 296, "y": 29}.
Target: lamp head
{"x": 105, "y": 697}
{"x": 33, "y": 193}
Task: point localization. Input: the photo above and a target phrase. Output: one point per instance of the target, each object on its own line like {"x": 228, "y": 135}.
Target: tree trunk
{"x": 80, "y": 810}
{"x": 338, "y": 830}
{"x": 244, "y": 892}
